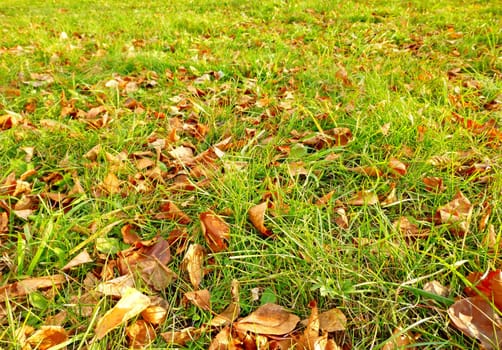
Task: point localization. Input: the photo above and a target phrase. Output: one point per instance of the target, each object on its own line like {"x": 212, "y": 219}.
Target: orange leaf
{"x": 140, "y": 334}
{"x": 256, "y": 215}
{"x": 489, "y": 284}
{"x": 399, "y": 340}
{"x": 216, "y": 231}
{"x": 132, "y": 303}
{"x": 397, "y": 166}
{"x": 80, "y": 259}
{"x": 47, "y": 337}
{"x": 433, "y": 184}
{"x": 29, "y": 285}
{"x": 182, "y": 337}
{"x": 154, "y": 314}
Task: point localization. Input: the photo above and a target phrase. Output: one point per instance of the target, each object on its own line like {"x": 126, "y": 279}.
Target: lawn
{"x": 206, "y": 174}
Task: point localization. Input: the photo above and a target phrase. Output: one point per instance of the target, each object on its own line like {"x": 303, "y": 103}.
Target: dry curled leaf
{"x": 132, "y": 303}
{"x": 140, "y": 334}
{"x": 80, "y": 259}
{"x": 182, "y": 337}
{"x": 433, "y": 184}
{"x": 169, "y": 211}
{"x": 476, "y": 317}
{"x": 270, "y": 319}
{"x": 216, "y": 231}
{"x": 397, "y": 167}
{"x": 28, "y": 285}
{"x": 193, "y": 264}
{"x": 364, "y": 198}
{"x": 200, "y": 298}
{"x": 231, "y": 312}
{"x": 256, "y": 215}
{"x": 456, "y": 214}
{"x": 437, "y": 288}
{"x": 47, "y": 337}
{"x": 400, "y": 340}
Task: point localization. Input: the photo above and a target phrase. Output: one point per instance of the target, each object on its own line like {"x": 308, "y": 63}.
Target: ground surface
{"x": 336, "y": 151}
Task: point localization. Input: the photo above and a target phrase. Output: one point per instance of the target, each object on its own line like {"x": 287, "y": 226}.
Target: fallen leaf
{"x": 154, "y": 314}
{"x": 384, "y": 129}
{"x": 400, "y": 340}
{"x": 341, "y": 218}
{"x": 140, "y": 334}
{"x": 397, "y": 167}
{"x": 256, "y": 215}
{"x": 342, "y": 75}
{"x": 476, "y": 318}
{"x": 182, "y": 337}
{"x": 333, "y": 320}
{"x": 222, "y": 341}
{"x": 47, "y": 337}
{"x": 456, "y": 214}
{"x": 215, "y": 230}
{"x": 169, "y": 211}
{"x": 28, "y": 285}
{"x": 433, "y": 184}
{"x": 370, "y": 170}
{"x": 80, "y": 259}
{"x": 117, "y": 286}
{"x": 193, "y": 264}
{"x": 409, "y": 230}
{"x": 111, "y": 184}
{"x": 364, "y": 198}
{"x": 436, "y": 288}
{"x": 489, "y": 284}
{"x": 200, "y": 298}
{"x": 231, "y": 312}
{"x": 269, "y": 319}
{"x": 129, "y": 236}
{"x": 132, "y": 303}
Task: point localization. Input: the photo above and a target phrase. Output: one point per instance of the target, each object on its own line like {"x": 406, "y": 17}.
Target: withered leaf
{"x": 169, "y": 211}
{"x": 364, "y": 198}
{"x": 399, "y": 340}
{"x": 154, "y": 314}
{"x": 456, "y": 214}
{"x": 256, "y": 215}
{"x": 193, "y": 264}
{"x": 476, "y": 318}
{"x": 200, "y": 298}
{"x": 117, "y": 286}
{"x": 140, "y": 334}
{"x": 28, "y": 285}
{"x": 489, "y": 284}
{"x": 216, "y": 231}
{"x": 182, "y": 337}
{"x": 369, "y": 170}
{"x": 397, "y": 167}
{"x": 231, "y": 312}
{"x": 433, "y": 184}
{"x": 132, "y": 303}
{"x": 80, "y": 259}
{"x": 268, "y": 319}
{"x": 332, "y": 320}
{"x": 222, "y": 341}
{"x": 408, "y": 229}
{"x": 47, "y": 337}
{"x": 437, "y": 288}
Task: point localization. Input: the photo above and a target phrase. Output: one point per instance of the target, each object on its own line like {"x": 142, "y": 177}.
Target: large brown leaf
{"x": 476, "y": 318}
{"x": 216, "y": 231}
{"x": 132, "y": 303}
{"x": 270, "y": 319}
{"x": 28, "y": 285}
{"x": 193, "y": 264}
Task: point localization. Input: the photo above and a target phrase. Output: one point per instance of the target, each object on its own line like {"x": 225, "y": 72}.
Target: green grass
{"x": 285, "y": 53}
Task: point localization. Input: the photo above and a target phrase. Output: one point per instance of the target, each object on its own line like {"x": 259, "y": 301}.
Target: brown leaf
{"x": 140, "y": 334}
{"x": 364, "y": 198}
{"x": 437, "y": 288}
{"x": 216, "y": 231}
{"x": 222, "y": 341}
{"x": 28, "y": 285}
{"x": 132, "y": 303}
{"x": 169, "y": 211}
{"x": 47, "y": 337}
{"x": 116, "y": 287}
{"x": 341, "y": 218}
{"x": 193, "y": 264}
{"x": 408, "y": 229}
{"x": 111, "y": 184}
{"x": 456, "y": 214}
{"x": 182, "y": 337}
{"x": 332, "y": 320}
{"x": 372, "y": 171}
{"x": 433, "y": 184}
{"x": 342, "y": 75}
{"x": 129, "y": 236}
{"x": 476, "y": 318}
{"x": 256, "y": 215}
{"x": 80, "y": 259}
{"x": 397, "y": 167}
{"x": 200, "y": 298}
{"x": 230, "y": 314}
{"x": 156, "y": 274}
{"x": 384, "y": 129}
{"x": 399, "y": 340}
{"x": 154, "y": 314}
{"x": 270, "y": 319}
{"x": 340, "y": 136}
